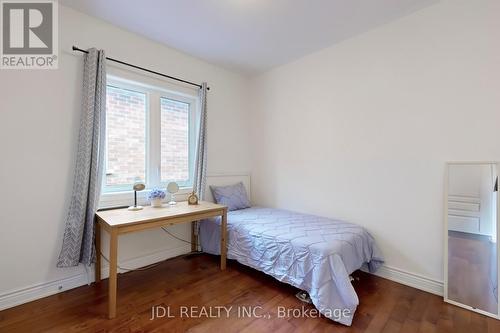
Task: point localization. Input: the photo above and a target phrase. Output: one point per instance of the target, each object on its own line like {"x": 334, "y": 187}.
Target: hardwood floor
{"x": 471, "y": 261}
{"x": 196, "y": 280}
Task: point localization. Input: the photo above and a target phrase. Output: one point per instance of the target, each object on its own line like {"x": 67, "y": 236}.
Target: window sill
{"x": 126, "y": 198}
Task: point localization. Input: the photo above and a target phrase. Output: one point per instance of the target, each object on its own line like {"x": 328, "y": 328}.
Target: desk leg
{"x": 97, "y": 252}
{"x": 223, "y": 237}
{"x": 113, "y": 265}
{"x": 194, "y": 237}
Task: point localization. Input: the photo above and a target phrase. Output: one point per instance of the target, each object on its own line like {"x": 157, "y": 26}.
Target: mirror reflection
{"x": 472, "y": 230}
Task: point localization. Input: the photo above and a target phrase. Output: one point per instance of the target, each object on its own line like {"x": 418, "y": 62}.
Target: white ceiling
{"x": 250, "y": 36}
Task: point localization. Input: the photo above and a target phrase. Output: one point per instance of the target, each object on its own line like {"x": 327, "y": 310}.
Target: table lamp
{"x": 138, "y": 186}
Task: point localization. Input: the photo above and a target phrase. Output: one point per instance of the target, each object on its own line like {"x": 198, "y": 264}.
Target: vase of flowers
{"x": 155, "y": 197}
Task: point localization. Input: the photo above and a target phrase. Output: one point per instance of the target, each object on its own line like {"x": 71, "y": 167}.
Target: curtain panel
{"x": 78, "y": 242}
{"x": 200, "y": 172}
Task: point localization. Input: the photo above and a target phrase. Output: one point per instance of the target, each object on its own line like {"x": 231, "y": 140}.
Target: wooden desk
{"x": 123, "y": 221}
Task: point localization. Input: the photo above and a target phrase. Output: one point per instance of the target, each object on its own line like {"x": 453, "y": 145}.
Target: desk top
{"x": 122, "y": 217}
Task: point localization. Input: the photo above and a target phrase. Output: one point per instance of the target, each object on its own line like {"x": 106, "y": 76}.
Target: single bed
{"x": 312, "y": 253}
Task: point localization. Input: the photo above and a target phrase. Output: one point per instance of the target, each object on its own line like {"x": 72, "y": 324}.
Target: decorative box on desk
{"x": 122, "y": 221}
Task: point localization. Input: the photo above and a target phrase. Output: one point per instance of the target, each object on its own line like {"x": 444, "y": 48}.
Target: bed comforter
{"x": 312, "y": 253}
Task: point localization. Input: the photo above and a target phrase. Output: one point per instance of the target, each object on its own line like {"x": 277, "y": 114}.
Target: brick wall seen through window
{"x": 174, "y": 140}
{"x": 125, "y": 136}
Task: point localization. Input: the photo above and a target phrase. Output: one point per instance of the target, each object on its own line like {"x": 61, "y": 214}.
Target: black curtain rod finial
{"x": 75, "y": 48}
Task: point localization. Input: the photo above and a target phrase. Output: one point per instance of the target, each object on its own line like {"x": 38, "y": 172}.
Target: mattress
{"x": 312, "y": 253}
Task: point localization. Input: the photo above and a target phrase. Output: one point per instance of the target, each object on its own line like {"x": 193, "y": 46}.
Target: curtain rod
{"x": 144, "y": 69}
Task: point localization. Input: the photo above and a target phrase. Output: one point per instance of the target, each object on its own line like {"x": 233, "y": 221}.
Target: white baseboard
{"x": 41, "y": 290}
{"x": 45, "y": 289}
{"x": 411, "y": 279}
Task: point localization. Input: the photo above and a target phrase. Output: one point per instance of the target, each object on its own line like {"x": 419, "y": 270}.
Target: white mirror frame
{"x": 445, "y": 213}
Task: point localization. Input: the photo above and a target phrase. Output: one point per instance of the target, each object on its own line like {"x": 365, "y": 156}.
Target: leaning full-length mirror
{"x": 471, "y": 238}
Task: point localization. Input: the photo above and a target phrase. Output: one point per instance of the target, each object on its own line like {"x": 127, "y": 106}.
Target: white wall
{"x": 361, "y": 130}
{"x": 39, "y": 128}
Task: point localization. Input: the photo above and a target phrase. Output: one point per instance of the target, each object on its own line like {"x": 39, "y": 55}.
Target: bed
{"x": 312, "y": 253}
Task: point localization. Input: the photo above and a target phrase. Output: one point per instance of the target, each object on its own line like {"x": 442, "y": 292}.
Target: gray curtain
{"x": 78, "y": 242}
{"x": 200, "y": 173}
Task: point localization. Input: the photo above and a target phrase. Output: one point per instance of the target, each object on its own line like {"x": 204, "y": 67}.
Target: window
{"x": 149, "y": 136}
